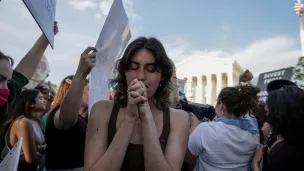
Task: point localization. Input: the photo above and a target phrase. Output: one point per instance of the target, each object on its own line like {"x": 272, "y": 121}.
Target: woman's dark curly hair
{"x": 239, "y": 100}
{"x": 286, "y": 113}
{"x": 163, "y": 64}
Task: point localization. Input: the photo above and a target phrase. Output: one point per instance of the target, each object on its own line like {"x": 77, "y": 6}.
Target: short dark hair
{"x": 42, "y": 89}
{"x": 239, "y": 100}
{"x": 8, "y": 58}
{"x": 286, "y": 113}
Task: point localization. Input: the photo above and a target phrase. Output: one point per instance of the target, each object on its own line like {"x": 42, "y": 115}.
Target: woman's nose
{"x": 141, "y": 75}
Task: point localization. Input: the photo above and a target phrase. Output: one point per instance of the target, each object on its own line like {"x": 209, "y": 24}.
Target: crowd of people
{"x": 138, "y": 128}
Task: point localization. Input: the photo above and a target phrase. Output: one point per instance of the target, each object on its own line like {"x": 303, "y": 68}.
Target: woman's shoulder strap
{"x": 166, "y": 125}
{"x": 112, "y": 121}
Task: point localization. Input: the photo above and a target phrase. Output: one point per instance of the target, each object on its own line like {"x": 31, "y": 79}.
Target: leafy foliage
{"x": 299, "y": 71}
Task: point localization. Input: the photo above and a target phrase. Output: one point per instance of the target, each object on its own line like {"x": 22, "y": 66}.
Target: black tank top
{"x": 134, "y": 157}
{"x": 65, "y": 148}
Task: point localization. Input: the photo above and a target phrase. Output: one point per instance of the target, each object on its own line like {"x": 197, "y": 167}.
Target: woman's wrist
{"x": 256, "y": 166}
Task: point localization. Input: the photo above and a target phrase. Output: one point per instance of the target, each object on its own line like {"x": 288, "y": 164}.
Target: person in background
{"x": 190, "y": 160}
{"x": 274, "y": 85}
{"x": 286, "y": 118}
{"x": 230, "y": 141}
{"x": 6, "y": 72}
{"x": 138, "y": 130}
{"x": 24, "y": 122}
{"x": 49, "y": 98}
{"x": 66, "y": 127}
{"x": 15, "y": 80}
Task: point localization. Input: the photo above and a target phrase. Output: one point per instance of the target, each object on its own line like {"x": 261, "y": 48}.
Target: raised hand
{"x": 246, "y": 76}
{"x": 298, "y": 9}
{"x": 87, "y": 61}
{"x": 136, "y": 96}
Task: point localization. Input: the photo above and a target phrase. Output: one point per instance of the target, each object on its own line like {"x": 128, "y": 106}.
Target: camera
{"x": 203, "y": 112}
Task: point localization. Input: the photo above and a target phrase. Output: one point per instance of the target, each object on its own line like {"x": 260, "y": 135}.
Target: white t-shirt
{"x": 222, "y": 147}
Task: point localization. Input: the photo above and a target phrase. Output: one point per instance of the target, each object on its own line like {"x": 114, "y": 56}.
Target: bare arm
{"x": 257, "y": 158}
{"x": 67, "y": 116}
{"x": 29, "y": 148}
{"x": 266, "y": 129}
{"x": 176, "y": 146}
{"x": 256, "y": 168}
{"x": 190, "y": 159}
{"x": 97, "y": 155}
{"x": 29, "y": 63}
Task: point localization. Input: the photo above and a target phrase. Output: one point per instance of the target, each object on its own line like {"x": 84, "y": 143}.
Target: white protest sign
{"x": 43, "y": 12}
{"x": 40, "y": 74}
{"x": 43, "y": 70}
{"x": 112, "y": 40}
{"x": 11, "y": 161}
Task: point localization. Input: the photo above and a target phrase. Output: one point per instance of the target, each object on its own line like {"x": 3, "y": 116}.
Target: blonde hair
{"x": 62, "y": 90}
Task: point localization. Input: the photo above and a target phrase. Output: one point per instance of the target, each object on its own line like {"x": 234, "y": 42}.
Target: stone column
{"x": 199, "y": 90}
{"x": 209, "y": 89}
{"x": 230, "y": 79}
{"x": 219, "y": 83}
{"x": 188, "y": 91}
{"x": 204, "y": 92}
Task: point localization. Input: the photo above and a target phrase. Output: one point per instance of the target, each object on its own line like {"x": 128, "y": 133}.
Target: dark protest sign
{"x": 265, "y": 78}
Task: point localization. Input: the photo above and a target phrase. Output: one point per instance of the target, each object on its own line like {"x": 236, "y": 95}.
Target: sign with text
{"x": 112, "y": 40}
{"x": 43, "y": 12}
{"x": 265, "y": 78}
{"x": 40, "y": 74}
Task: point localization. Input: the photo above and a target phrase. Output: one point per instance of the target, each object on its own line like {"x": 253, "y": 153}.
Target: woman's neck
{"x": 36, "y": 114}
{"x": 152, "y": 103}
{"x": 228, "y": 115}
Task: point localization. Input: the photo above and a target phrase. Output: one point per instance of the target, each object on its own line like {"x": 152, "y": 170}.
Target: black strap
{"x": 112, "y": 121}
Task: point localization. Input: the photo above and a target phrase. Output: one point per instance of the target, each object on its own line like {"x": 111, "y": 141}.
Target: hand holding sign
{"x": 87, "y": 61}
{"x": 298, "y": 9}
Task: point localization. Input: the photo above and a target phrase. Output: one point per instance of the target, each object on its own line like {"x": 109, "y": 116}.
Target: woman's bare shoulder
{"x": 22, "y": 122}
{"x": 101, "y": 110}
{"x": 178, "y": 116}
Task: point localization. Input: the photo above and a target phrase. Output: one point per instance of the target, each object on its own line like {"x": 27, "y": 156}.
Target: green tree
{"x": 299, "y": 71}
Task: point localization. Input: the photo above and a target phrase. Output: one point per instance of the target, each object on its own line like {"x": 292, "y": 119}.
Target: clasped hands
{"x": 137, "y": 106}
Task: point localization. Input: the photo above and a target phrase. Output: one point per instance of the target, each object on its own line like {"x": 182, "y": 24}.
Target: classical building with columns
{"x": 205, "y": 77}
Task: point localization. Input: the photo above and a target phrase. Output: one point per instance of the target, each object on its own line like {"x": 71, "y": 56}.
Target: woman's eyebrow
{"x": 150, "y": 63}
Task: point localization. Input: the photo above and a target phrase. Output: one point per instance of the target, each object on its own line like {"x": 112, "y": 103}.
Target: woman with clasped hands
{"x": 138, "y": 131}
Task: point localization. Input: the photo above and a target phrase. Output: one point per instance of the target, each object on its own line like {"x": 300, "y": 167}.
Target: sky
{"x": 260, "y": 35}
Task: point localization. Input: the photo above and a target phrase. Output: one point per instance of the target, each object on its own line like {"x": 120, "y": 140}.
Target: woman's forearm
{"x": 71, "y": 104}
{"x": 153, "y": 154}
{"x": 256, "y": 167}
{"x": 29, "y": 63}
{"x": 114, "y": 156}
